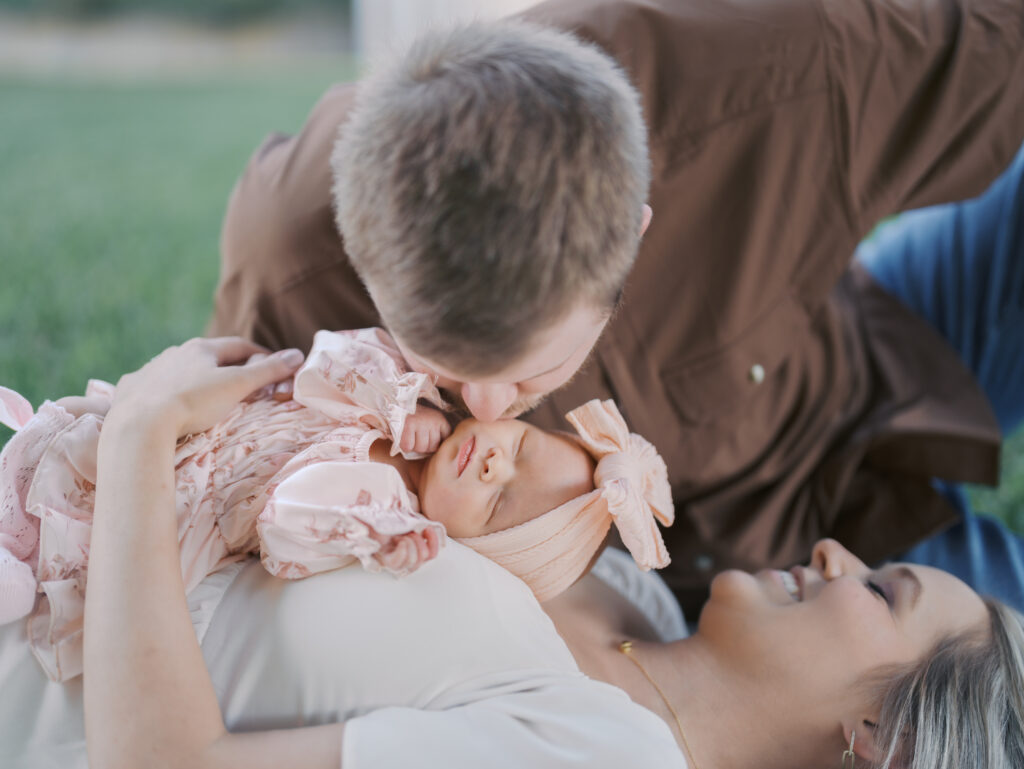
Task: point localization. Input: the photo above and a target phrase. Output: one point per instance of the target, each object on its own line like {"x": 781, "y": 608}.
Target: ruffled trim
{"x": 309, "y": 527}
{"x": 48, "y": 485}
{"x": 65, "y": 528}
{"x": 378, "y": 536}
{"x": 366, "y": 369}
{"x": 18, "y": 463}
{"x": 365, "y": 443}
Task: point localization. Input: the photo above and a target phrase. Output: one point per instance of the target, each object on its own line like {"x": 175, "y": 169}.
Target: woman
{"x": 783, "y": 671}
{"x": 907, "y": 666}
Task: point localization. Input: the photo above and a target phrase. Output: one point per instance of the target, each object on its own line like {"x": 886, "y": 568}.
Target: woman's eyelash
{"x": 873, "y": 587}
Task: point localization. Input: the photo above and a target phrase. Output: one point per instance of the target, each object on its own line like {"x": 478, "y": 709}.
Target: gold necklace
{"x": 626, "y": 647}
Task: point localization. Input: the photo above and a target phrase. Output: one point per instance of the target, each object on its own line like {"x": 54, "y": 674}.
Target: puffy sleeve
{"x": 328, "y": 515}
{"x": 364, "y": 368}
{"x": 558, "y": 722}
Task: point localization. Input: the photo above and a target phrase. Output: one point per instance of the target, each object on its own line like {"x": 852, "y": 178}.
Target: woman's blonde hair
{"x": 962, "y": 707}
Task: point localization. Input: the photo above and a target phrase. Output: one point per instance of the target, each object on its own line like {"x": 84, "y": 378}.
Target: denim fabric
{"x": 961, "y": 267}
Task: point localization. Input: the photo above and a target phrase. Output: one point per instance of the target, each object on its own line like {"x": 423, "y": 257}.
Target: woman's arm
{"x": 149, "y": 700}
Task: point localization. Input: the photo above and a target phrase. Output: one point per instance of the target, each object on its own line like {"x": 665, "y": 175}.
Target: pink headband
{"x": 550, "y": 552}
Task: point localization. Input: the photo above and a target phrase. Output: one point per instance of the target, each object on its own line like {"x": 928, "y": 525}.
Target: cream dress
{"x": 455, "y": 666}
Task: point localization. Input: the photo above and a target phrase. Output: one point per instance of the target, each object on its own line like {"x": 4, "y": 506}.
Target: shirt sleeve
{"x": 780, "y": 133}
{"x": 284, "y": 273}
{"x": 558, "y": 723}
{"x": 927, "y": 103}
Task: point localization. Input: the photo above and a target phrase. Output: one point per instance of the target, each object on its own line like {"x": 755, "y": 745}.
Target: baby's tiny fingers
{"x": 424, "y": 548}
{"x": 422, "y": 439}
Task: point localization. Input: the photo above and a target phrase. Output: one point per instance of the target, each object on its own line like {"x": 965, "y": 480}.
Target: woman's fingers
{"x": 195, "y": 385}
{"x": 259, "y": 372}
{"x": 231, "y": 350}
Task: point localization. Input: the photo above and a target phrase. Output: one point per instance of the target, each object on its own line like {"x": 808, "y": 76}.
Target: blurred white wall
{"x": 383, "y": 26}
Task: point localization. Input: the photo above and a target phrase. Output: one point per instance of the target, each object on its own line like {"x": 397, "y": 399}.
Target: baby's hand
{"x": 424, "y": 430}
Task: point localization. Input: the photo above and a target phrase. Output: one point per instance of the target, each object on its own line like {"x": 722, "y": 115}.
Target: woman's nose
{"x": 833, "y": 560}
{"x": 487, "y": 402}
{"x": 496, "y": 468}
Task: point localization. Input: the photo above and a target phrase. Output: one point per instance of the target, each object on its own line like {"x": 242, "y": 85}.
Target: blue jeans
{"x": 961, "y": 267}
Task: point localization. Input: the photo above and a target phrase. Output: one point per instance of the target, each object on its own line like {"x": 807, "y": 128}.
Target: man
{"x": 790, "y": 395}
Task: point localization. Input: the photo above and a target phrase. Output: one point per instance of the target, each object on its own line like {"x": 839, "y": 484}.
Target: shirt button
{"x": 703, "y": 562}
{"x": 756, "y": 373}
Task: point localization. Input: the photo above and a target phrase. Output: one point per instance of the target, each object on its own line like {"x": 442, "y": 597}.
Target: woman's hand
{"x": 191, "y": 387}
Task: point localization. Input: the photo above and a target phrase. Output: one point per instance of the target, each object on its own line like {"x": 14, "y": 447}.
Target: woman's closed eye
{"x": 880, "y": 591}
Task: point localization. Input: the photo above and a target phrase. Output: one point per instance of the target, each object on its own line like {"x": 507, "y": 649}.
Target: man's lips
{"x": 465, "y": 454}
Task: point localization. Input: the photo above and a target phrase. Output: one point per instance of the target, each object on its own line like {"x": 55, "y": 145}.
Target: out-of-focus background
{"x": 123, "y": 125}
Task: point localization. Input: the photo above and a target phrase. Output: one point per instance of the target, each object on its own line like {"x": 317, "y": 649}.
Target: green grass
{"x": 1006, "y": 502}
{"x": 111, "y": 197}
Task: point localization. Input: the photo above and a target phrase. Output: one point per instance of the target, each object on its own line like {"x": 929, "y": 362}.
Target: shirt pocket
{"x": 745, "y": 381}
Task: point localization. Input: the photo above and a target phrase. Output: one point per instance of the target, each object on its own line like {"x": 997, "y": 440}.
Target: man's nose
{"x": 487, "y": 402}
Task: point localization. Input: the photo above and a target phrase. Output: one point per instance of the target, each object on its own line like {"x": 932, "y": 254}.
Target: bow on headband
{"x": 551, "y": 551}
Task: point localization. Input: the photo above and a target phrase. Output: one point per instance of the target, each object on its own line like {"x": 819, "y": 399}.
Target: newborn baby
{"x": 321, "y": 481}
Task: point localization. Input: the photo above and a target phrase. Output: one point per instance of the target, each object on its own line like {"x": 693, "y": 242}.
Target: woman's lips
{"x": 465, "y": 454}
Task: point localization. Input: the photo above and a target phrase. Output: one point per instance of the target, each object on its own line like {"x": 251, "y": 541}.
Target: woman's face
{"x": 489, "y": 476}
{"x": 835, "y": 620}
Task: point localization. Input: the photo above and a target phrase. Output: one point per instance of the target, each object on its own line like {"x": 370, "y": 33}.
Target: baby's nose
{"x": 496, "y": 466}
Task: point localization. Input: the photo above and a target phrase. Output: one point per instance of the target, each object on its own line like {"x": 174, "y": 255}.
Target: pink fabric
{"x": 552, "y": 551}
{"x": 15, "y": 411}
{"x": 256, "y": 474}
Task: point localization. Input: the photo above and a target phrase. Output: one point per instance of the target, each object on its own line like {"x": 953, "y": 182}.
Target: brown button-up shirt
{"x": 789, "y": 395}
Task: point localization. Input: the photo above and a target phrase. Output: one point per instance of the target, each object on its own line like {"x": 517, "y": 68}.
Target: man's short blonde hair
{"x": 488, "y": 183}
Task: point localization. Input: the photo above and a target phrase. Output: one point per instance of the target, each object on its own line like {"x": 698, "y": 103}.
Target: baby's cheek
{"x": 446, "y": 510}
{"x": 461, "y": 524}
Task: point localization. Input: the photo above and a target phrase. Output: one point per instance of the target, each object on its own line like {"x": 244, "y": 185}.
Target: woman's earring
{"x": 848, "y": 755}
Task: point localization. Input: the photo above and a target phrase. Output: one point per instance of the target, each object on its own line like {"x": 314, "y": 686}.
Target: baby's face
{"x": 489, "y": 476}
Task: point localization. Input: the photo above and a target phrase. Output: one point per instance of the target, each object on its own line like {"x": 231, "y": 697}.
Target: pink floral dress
{"x": 292, "y": 481}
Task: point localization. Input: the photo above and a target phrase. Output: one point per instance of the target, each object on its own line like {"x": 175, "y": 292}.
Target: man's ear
{"x": 862, "y": 731}
{"x": 645, "y": 221}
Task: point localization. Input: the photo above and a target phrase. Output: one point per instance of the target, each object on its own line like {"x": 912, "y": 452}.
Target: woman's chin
{"x": 727, "y": 584}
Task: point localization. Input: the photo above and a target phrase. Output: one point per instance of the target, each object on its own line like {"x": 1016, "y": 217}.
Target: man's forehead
{"x": 551, "y": 350}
